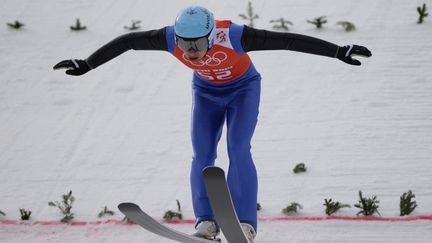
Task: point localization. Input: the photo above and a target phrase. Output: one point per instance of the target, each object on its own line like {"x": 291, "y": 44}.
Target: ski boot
{"x": 207, "y": 230}
{"x": 249, "y": 231}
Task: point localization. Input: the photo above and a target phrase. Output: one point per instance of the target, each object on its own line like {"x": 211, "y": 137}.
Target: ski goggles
{"x": 195, "y": 44}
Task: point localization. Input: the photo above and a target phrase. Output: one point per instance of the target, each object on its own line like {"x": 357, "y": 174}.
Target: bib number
{"x": 215, "y": 75}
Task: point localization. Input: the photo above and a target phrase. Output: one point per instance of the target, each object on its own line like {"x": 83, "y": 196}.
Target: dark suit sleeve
{"x": 257, "y": 40}
{"x": 144, "y": 40}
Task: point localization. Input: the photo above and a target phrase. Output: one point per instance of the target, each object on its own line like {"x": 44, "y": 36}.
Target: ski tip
{"x": 126, "y": 205}
{"x": 213, "y": 171}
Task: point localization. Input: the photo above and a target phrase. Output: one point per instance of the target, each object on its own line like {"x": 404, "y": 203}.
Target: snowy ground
{"x": 121, "y": 132}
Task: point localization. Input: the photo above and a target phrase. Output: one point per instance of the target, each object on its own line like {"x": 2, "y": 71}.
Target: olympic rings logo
{"x": 215, "y": 60}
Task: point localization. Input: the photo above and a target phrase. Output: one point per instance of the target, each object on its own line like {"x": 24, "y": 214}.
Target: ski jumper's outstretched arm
{"x": 258, "y": 40}
{"x": 143, "y": 40}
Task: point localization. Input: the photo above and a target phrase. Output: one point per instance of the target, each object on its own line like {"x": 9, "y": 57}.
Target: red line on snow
{"x": 348, "y": 218}
{"x": 191, "y": 221}
{"x": 57, "y": 223}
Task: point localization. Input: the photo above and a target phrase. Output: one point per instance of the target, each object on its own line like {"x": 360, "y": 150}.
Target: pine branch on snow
{"x": 333, "y": 207}
{"x": 174, "y": 216}
{"x": 368, "y": 206}
{"x": 251, "y": 16}
{"x": 25, "y": 214}
{"x": 105, "y": 212}
{"x": 178, "y": 205}
{"x": 300, "y": 168}
{"x": 259, "y": 207}
{"x": 65, "y": 206}
{"x": 422, "y": 13}
{"x": 78, "y": 26}
{"x": 126, "y": 220}
{"x": 348, "y": 26}
{"x": 16, "y": 25}
{"x": 281, "y": 24}
{"x": 318, "y": 22}
{"x": 407, "y": 205}
{"x": 292, "y": 208}
{"x": 134, "y": 26}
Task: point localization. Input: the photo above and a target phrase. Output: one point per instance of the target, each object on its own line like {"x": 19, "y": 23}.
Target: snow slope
{"x": 121, "y": 132}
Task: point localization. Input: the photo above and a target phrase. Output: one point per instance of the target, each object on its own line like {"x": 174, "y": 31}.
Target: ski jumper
{"x": 225, "y": 88}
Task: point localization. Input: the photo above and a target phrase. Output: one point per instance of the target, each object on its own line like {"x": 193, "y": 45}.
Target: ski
{"x": 135, "y": 214}
{"x": 221, "y": 203}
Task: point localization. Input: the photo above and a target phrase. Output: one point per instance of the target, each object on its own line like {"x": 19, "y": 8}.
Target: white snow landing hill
{"x": 122, "y": 131}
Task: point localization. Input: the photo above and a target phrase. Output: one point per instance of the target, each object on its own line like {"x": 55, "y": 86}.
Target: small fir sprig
{"x": 2, "y": 213}
{"x": 105, "y": 212}
{"x": 126, "y": 220}
{"x": 134, "y": 26}
{"x": 422, "y": 11}
{"x": 292, "y": 208}
{"x": 178, "y": 205}
{"x": 173, "y": 216}
{"x": 25, "y": 214}
{"x": 333, "y": 207}
{"x": 348, "y": 26}
{"x": 251, "y": 16}
{"x": 65, "y": 206}
{"x": 368, "y": 206}
{"x": 318, "y": 22}
{"x": 300, "y": 168}
{"x": 16, "y": 25}
{"x": 281, "y": 24}
{"x": 78, "y": 26}
{"x": 407, "y": 205}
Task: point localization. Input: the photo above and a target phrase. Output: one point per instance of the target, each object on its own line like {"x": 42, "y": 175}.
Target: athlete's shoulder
{"x": 223, "y": 24}
{"x": 170, "y": 38}
{"x": 226, "y": 23}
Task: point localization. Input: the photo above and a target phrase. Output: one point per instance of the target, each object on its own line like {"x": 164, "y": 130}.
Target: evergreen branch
{"x": 65, "y": 206}
{"x": 172, "y": 216}
{"x": 134, "y": 26}
{"x": 348, "y": 26}
{"x": 126, "y": 220}
{"x": 259, "y": 207}
{"x": 333, "y": 207}
{"x": 422, "y": 13}
{"x": 15, "y": 25}
{"x": 105, "y": 211}
{"x": 407, "y": 205}
{"x": 300, "y": 168}
{"x": 292, "y": 208}
{"x": 178, "y": 205}
{"x": 25, "y": 215}
{"x": 78, "y": 26}
{"x": 318, "y": 22}
{"x": 282, "y": 24}
{"x": 251, "y": 16}
{"x": 368, "y": 206}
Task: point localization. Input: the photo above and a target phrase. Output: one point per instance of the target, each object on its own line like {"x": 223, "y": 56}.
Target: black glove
{"x": 74, "y": 66}
{"x": 345, "y": 54}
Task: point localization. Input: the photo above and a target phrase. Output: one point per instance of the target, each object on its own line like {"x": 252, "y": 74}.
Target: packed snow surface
{"x": 122, "y": 131}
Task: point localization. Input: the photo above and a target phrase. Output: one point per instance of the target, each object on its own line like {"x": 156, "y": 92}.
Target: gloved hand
{"x": 346, "y": 53}
{"x": 74, "y": 66}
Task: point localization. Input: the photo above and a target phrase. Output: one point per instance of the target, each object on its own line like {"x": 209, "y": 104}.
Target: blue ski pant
{"x": 238, "y": 106}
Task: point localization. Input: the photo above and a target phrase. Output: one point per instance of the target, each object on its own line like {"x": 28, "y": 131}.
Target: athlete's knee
{"x": 204, "y": 158}
{"x": 239, "y": 146}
